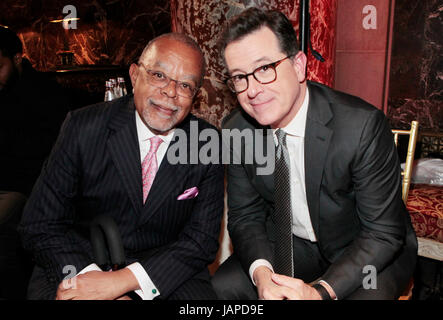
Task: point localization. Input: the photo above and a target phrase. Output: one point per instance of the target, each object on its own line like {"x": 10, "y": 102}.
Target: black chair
{"x": 107, "y": 246}
{"x": 107, "y": 243}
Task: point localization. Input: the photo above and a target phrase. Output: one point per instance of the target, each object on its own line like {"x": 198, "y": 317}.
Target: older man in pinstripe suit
{"x": 95, "y": 168}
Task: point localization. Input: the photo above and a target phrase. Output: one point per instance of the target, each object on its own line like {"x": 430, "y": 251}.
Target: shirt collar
{"x": 296, "y": 127}
{"x": 145, "y": 134}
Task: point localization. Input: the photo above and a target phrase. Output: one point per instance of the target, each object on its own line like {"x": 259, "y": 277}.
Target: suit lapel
{"x": 125, "y": 152}
{"x": 262, "y": 135}
{"x": 266, "y": 139}
{"x": 317, "y": 139}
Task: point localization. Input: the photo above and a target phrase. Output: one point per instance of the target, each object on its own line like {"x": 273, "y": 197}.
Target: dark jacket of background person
{"x": 32, "y": 110}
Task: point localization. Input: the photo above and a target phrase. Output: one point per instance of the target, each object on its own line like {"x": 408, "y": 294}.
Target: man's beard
{"x": 168, "y": 125}
{"x": 159, "y": 129}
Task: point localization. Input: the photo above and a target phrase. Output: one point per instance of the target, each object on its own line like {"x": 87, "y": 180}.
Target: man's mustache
{"x": 168, "y": 105}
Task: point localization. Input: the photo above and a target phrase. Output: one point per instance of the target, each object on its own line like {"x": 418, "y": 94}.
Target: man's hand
{"x": 296, "y": 289}
{"x": 266, "y": 288}
{"x": 97, "y": 285}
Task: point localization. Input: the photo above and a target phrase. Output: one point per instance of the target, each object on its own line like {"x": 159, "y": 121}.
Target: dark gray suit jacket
{"x": 353, "y": 189}
{"x": 95, "y": 169}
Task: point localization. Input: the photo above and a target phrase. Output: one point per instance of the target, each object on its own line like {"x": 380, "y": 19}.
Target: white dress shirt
{"x": 148, "y": 290}
{"x": 295, "y": 142}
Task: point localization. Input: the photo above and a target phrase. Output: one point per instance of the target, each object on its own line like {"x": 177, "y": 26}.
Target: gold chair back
{"x": 407, "y": 172}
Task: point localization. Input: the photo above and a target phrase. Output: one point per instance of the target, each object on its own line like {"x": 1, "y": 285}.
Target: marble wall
{"x": 416, "y": 78}
{"x": 115, "y": 32}
{"x": 203, "y": 20}
{"x": 108, "y": 32}
{"x": 323, "y": 38}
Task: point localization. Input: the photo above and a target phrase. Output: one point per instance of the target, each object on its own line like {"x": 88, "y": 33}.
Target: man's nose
{"x": 254, "y": 87}
{"x": 170, "y": 89}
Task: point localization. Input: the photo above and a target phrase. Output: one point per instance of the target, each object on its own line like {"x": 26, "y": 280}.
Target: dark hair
{"x": 183, "y": 38}
{"x": 252, "y": 20}
{"x": 10, "y": 43}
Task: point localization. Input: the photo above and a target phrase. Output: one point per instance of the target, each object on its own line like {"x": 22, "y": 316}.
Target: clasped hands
{"x": 273, "y": 286}
{"x": 102, "y": 285}
{"x": 98, "y": 285}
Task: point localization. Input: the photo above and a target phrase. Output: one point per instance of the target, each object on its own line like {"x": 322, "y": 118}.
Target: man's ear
{"x": 299, "y": 65}
{"x": 133, "y": 73}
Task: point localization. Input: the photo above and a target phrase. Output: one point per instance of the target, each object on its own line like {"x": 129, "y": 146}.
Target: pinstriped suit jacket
{"x": 94, "y": 168}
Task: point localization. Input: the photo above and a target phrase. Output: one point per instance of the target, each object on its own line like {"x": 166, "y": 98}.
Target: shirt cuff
{"x": 91, "y": 267}
{"x": 258, "y": 263}
{"x": 327, "y": 284}
{"x": 148, "y": 290}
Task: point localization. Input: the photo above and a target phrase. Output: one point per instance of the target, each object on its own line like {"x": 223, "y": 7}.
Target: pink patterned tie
{"x": 149, "y": 166}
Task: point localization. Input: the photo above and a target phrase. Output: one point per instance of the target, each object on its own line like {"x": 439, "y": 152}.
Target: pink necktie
{"x": 149, "y": 166}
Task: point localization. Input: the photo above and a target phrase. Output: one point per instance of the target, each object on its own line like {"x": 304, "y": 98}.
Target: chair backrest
{"x": 407, "y": 172}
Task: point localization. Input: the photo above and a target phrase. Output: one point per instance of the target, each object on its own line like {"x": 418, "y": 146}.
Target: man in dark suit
{"x": 348, "y": 234}
{"x": 104, "y": 163}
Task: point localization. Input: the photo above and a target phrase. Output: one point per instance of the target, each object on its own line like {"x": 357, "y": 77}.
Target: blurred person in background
{"x": 32, "y": 108}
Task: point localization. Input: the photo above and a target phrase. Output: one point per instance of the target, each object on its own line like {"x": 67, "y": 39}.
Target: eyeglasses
{"x": 264, "y": 75}
{"x": 160, "y": 80}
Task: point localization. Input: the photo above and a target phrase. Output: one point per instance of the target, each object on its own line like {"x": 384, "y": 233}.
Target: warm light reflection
{"x": 25, "y": 34}
{"x": 64, "y": 20}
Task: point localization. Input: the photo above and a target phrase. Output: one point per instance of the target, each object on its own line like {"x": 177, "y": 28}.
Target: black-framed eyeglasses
{"x": 263, "y": 74}
{"x": 161, "y": 80}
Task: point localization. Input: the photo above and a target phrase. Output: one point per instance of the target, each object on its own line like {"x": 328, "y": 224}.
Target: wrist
{"x": 127, "y": 280}
{"x": 262, "y": 274}
{"x": 322, "y": 291}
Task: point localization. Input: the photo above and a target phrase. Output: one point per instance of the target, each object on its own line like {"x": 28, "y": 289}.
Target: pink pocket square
{"x": 188, "y": 194}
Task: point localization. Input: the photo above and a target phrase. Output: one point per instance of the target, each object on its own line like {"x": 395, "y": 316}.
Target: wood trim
{"x": 429, "y": 248}
{"x": 388, "y": 56}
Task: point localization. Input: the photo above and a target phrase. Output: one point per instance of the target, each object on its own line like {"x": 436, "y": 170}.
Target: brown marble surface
{"x": 416, "y": 79}
{"x": 323, "y": 38}
{"x": 115, "y": 32}
{"x": 108, "y": 32}
{"x": 203, "y": 20}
